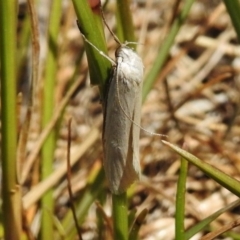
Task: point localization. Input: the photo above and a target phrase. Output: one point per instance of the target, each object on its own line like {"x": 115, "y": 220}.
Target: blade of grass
{"x": 120, "y": 216}
{"x": 91, "y": 26}
{"x": 165, "y": 48}
{"x": 222, "y": 178}
{"x": 31, "y": 93}
{"x": 35, "y": 48}
{"x": 10, "y": 189}
{"x": 233, "y": 8}
{"x": 47, "y": 201}
{"x": 232, "y": 234}
{"x": 133, "y": 235}
{"x": 180, "y": 200}
{"x": 125, "y": 23}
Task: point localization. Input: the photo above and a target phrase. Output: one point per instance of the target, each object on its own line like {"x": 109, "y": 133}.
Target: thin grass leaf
{"x": 165, "y": 48}
{"x": 91, "y": 26}
{"x": 47, "y": 201}
{"x": 133, "y": 235}
{"x": 125, "y": 23}
{"x": 222, "y": 178}
{"x": 11, "y": 194}
{"x": 180, "y": 200}
{"x": 120, "y": 216}
{"x": 233, "y": 8}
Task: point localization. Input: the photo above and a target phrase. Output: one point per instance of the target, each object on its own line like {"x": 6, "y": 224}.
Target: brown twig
{"x": 69, "y": 181}
{"x": 222, "y": 230}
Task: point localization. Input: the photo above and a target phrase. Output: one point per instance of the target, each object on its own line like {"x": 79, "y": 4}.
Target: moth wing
{"x": 120, "y": 135}
{"x": 136, "y": 130}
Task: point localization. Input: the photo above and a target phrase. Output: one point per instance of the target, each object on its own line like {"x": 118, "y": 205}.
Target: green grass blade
{"x": 180, "y": 201}
{"x": 222, "y": 178}
{"x": 10, "y": 189}
{"x": 125, "y": 23}
{"x": 165, "y": 48}
{"x": 47, "y": 202}
{"x": 133, "y": 235}
{"x": 233, "y": 8}
{"x": 91, "y": 26}
{"x": 120, "y": 216}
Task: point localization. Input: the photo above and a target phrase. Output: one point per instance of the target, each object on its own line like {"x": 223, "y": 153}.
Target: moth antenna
{"x": 143, "y": 129}
{"x": 109, "y": 29}
{"x": 127, "y": 43}
{"x": 112, "y": 33}
{"x": 100, "y": 52}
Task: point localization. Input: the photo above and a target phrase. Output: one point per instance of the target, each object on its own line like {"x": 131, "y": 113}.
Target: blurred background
{"x": 193, "y": 99}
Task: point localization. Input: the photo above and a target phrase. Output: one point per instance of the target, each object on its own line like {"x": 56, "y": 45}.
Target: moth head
{"x": 124, "y": 51}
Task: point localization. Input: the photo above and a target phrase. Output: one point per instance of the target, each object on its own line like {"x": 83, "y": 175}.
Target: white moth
{"x": 122, "y": 111}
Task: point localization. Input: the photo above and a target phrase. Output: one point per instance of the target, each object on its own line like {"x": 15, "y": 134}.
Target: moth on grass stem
{"x": 122, "y": 111}
{"x": 120, "y": 134}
